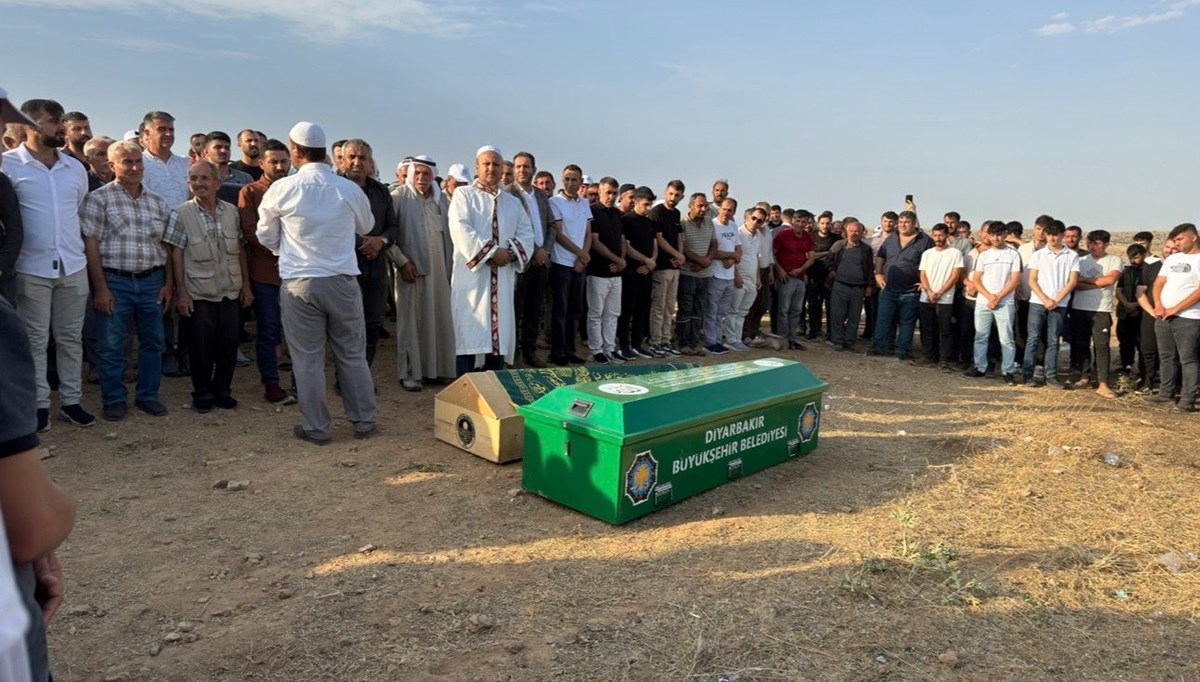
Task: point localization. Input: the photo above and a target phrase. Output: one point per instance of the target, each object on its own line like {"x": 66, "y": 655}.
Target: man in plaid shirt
{"x": 123, "y": 225}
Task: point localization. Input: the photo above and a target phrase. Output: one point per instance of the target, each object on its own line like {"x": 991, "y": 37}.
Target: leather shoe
{"x": 151, "y": 407}
{"x": 533, "y": 361}
{"x": 299, "y": 432}
{"x": 114, "y": 412}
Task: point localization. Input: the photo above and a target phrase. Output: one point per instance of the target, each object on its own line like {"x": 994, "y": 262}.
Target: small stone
{"x": 367, "y": 549}
{"x": 424, "y": 608}
{"x": 185, "y": 626}
{"x": 717, "y": 511}
{"x": 395, "y": 622}
{"x": 221, "y": 484}
{"x": 348, "y": 463}
{"x": 155, "y": 649}
{"x": 949, "y": 659}
{"x": 233, "y": 486}
{"x": 285, "y": 593}
{"x": 1028, "y": 439}
{"x": 515, "y": 492}
{"x": 172, "y": 637}
{"x": 80, "y": 610}
{"x": 254, "y": 558}
{"x": 278, "y": 409}
{"x": 111, "y": 436}
{"x": 203, "y": 600}
{"x": 44, "y": 453}
{"x": 514, "y": 647}
{"x": 1172, "y": 562}
{"x": 478, "y": 622}
{"x": 902, "y": 432}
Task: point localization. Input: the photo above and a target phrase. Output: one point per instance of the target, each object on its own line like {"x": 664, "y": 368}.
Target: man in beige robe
{"x": 425, "y": 325}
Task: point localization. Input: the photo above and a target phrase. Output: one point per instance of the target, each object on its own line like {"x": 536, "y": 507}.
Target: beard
{"x": 53, "y": 141}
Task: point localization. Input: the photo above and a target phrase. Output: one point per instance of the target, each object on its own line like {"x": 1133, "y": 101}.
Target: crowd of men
{"x": 141, "y": 263}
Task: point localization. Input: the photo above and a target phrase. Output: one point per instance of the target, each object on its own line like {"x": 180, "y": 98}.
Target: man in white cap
{"x": 310, "y": 220}
{"x": 422, "y": 254}
{"x": 493, "y": 241}
{"x": 455, "y": 177}
{"x": 52, "y": 284}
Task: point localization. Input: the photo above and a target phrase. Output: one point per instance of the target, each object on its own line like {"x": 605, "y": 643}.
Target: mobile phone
{"x": 908, "y": 198}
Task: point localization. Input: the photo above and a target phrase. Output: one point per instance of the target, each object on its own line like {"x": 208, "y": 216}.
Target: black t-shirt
{"x": 608, "y": 230}
{"x": 666, "y": 223}
{"x": 253, "y": 171}
{"x": 1149, "y": 274}
{"x": 819, "y": 270}
{"x": 639, "y": 232}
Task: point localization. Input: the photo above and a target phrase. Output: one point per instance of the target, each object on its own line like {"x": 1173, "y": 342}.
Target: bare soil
{"x": 945, "y": 529}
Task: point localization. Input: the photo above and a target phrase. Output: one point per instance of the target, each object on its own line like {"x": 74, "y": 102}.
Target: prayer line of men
{"x": 636, "y": 279}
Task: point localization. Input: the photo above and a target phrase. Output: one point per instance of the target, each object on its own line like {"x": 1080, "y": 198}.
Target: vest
{"x": 211, "y": 267}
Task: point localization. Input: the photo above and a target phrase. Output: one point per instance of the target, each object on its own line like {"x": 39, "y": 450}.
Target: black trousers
{"x": 1129, "y": 341}
{"x": 530, "y": 293}
{"x": 937, "y": 332}
{"x": 213, "y": 348}
{"x": 1149, "y": 343}
{"x": 374, "y": 300}
{"x": 633, "y": 323}
{"x": 1091, "y": 328}
{"x": 816, "y": 301}
{"x": 964, "y": 349}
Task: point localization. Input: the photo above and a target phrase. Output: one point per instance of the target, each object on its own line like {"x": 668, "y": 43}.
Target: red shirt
{"x": 262, "y": 265}
{"x": 791, "y": 249}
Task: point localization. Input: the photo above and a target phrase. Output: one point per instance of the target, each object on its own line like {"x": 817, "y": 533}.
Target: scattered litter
{"x": 1121, "y": 595}
{"x": 224, "y": 484}
{"x": 902, "y": 432}
{"x": 367, "y": 549}
{"x": 881, "y": 659}
{"x": 111, "y": 436}
{"x": 1112, "y": 460}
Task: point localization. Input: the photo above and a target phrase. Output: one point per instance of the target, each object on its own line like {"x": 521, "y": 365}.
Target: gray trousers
{"x": 791, "y": 306}
{"x": 316, "y": 310}
{"x": 57, "y": 305}
{"x": 1178, "y": 338}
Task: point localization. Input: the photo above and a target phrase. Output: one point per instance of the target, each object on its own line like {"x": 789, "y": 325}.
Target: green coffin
{"x": 617, "y": 450}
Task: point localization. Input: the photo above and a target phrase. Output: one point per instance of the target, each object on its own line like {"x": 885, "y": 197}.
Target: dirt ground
{"x": 945, "y": 529}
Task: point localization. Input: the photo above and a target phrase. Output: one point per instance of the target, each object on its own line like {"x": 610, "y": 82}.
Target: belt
{"x": 133, "y": 275}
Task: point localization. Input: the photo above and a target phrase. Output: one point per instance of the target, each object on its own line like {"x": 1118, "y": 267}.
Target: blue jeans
{"x": 1051, "y": 322}
{"x": 1004, "y": 317}
{"x": 905, "y": 305}
{"x": 135, "y": 305}
{"x": 266, "y": 311}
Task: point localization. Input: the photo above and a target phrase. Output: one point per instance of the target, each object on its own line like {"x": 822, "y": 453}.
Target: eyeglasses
{"x": 755, "y": 219}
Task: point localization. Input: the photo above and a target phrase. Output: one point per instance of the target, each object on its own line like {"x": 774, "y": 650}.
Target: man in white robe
{"x": 492, "y": 237}
{"x": 422, "y": 254}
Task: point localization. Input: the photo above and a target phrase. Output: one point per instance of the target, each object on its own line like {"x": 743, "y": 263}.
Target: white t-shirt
{"x": 1182, "y": 272}
{"x": 727, "y": 240}
{"x": 1026, "y": 251}
{"x": 969, "y": 267}
{"x": 575, "y": 214}
{"x": 1098, "y": 300}
{"x": 997, "y": 265}
{"x": 1053, "y": 271}
{"x": 938, "y": 264}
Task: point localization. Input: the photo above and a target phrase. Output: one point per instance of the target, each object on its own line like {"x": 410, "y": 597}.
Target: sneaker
{"x": 642, "y": 352}
{"x": 1184, "y": 407}
{"x": 242, "y": 360}
{"x": 1162, "y": 398}
{"x": 153, "y": 408}
{"x": 624, "y": 355}
{"x": 657, "y": 351}
{"x": 1143, "y": 391}
{"x": 310, "y": 436}
{"x": 1039, "y": 373}
{"x": 795, "y": 345}
{"x": 1035, "y": 382}
{"x": 1055, "y": 383}
{"x": 600, "y": 359}
{"x": 1018, "y": 379}
{"x": 616, "y": 358}
{"x": 225, "y": 402}
{"x": 1010, "y": 379}
{"x": 716, "y": 349}
{"x": 76, "y": 415}
{"x": 272, "y": 393}
{"x": 974, "y": 373}
{"x": 738, "y": 346}
{"x": 672, "y": 351}
{"x": 114, "y": 412}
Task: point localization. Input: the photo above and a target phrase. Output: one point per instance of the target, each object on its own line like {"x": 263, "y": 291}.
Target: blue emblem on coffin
{"x": 810, "y": 419}
{"x": 641, "y": 477}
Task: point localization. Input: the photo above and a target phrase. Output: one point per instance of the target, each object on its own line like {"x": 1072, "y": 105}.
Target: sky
{"x": 1083, "y": 110}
